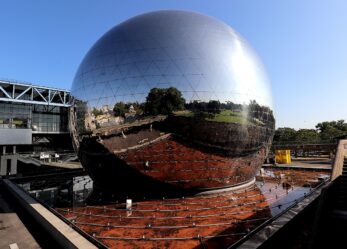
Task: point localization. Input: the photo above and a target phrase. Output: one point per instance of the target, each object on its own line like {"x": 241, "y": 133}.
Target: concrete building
{"x": 30, "y": 116}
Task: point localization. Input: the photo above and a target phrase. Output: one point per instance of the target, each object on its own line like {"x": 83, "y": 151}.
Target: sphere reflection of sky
{"x": 202, "y": 57}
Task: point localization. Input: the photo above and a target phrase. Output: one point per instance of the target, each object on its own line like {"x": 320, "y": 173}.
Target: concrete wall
{"x": 63, "y": 234}
{"x": 8, "y": 168}
{"x": 341, "y": 152}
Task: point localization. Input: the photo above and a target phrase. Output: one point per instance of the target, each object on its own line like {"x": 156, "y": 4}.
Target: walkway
{"x": 13, "y": 233}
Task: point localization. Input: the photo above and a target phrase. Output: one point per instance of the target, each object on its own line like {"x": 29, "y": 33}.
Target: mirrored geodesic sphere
{"x": 171, "y": 99}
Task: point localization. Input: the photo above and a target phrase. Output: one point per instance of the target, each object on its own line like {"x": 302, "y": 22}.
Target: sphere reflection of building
{"x": 171, "y": 99}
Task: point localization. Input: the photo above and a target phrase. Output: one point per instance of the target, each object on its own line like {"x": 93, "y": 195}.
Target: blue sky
{"x": 303, "y": 45}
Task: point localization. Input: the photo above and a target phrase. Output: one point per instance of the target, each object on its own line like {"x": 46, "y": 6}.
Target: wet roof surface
{"x": 203, "y": 221}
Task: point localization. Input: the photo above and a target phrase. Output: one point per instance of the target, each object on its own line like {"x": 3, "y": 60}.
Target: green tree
{"x": 213, "y": 106}
{"x": 164, "y": 101}
{"x": 232, "y": 106}
{"x": 96, "y": 112}
{"x": 307, "y": 136}
{"x": 329, "y": 130}
{"x": 196, "y": 106}
{"x": 284, "y": 135}
{"x": 119, "y": 109}
{"x": 137, "y": 107}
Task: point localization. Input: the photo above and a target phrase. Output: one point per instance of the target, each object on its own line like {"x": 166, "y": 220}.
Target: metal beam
{"x": 20, "y": 95}
{"x": 49, "y": 96}
{"x": 33, "y": 102}
{"x": 52, "y": 95}
{"x": 62, "y": 101}
{"x": 41, "y": 95}
{"x": 30, "y": 89}
{"x": 31, "y": 85}
{"x": 3, "y": 90}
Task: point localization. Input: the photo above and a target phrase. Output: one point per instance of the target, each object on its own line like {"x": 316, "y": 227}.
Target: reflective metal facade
{"x": 173, "y": 97}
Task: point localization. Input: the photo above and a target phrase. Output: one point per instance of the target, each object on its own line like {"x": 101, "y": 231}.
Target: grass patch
{"x": 225, "y": 116}
{"x": 228, "y": 116}
{"x": 184, "y": 113}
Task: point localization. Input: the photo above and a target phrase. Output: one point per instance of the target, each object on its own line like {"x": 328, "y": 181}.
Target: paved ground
{"x": 12, "y": 230}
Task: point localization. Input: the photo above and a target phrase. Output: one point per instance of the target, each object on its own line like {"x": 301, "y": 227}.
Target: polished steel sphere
{"x": 174, "y": 99}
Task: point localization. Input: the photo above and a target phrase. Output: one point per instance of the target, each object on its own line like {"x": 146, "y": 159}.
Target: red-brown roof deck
{"x": 214, "y": 220}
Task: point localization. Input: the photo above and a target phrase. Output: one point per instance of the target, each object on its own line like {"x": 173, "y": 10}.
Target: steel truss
{"x": 12, "y": 91}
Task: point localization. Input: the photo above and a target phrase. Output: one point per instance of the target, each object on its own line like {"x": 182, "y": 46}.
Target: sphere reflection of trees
{"x": 164, "y": 101}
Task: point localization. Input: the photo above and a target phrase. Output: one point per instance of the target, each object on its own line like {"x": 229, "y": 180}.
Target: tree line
{"x": 166, "y": 101}
{"x": 325, "y": 132}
